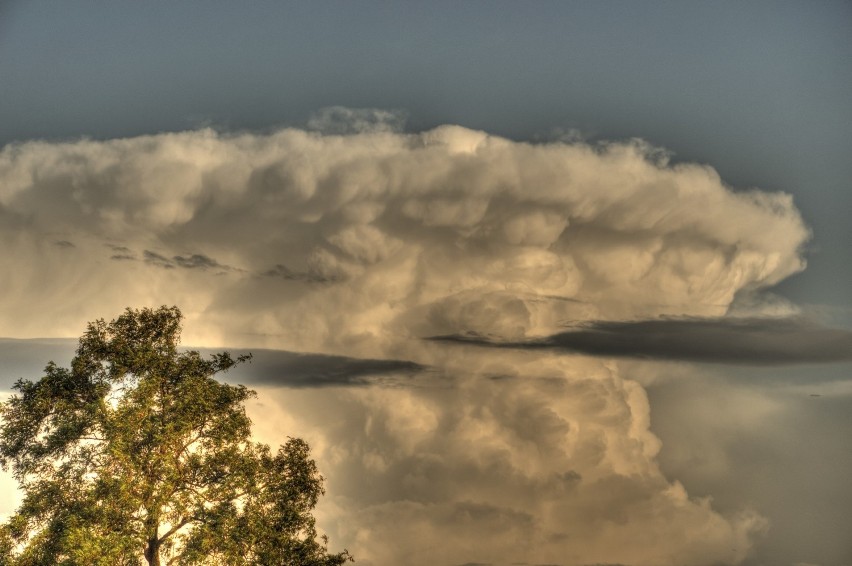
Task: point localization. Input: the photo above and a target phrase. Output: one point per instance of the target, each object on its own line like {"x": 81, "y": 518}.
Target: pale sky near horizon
{"x": 363, "y": 169}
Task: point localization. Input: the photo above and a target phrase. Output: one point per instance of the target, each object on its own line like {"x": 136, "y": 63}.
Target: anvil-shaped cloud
{"x": 357, "y": 246}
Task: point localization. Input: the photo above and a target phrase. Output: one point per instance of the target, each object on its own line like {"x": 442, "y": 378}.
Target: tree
{"x": 137, "y": 451}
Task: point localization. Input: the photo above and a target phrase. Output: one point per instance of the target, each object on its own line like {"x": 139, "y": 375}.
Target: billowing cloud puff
{"x": 358, "y": 246}
{"x": 448, "y": 215}
{"x": 551, "y": 464}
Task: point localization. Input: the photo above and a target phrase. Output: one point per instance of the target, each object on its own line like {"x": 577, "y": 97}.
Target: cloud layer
{"x": 727, "y": 340}
{"x": 359, "y": 245}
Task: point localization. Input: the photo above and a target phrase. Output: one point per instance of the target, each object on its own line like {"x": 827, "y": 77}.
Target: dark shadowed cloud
{"x": 747, "y": 341}
{"x": 197, "y": 261}
{"x": 293, "y": 369}
{"x": 157, "y": 259}
{"x": 190, "y": 261}
{"x": 121, "y": 253}
{"x": 285, "y": 272}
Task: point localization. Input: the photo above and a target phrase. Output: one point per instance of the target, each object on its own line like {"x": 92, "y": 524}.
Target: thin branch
{"x": 176, "y": 528}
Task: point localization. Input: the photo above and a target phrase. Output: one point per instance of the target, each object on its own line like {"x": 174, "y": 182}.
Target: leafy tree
{"x": 137, "y": 451}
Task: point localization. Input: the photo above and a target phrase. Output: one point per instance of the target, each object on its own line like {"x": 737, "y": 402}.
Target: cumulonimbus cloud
{"x": 358, "y": 246}
{"x": 610, "y": 226}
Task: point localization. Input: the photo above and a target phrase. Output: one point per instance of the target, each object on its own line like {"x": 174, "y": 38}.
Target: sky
{"x": 540, "y": 283}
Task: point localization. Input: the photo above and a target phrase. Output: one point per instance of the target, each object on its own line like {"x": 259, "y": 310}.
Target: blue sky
{"x": 759, "y": 91}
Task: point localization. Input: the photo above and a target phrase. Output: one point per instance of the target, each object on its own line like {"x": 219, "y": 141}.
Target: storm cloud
{"x": 611, "y": 226}
{"x": 344, "y": 251}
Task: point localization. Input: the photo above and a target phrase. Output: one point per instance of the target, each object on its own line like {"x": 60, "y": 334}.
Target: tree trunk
{"x": 152, "y": 551}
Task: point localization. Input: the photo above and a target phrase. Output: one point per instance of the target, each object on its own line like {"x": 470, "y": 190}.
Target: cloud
{"x": 345, "y": 250}
{"x": 340, "y": 120}
{"x": 156, "y": 259}
{"x": 547, "y": 470}
{"x": 760, "y": 341}
{"x": 196, "y": 261}
{"x": 192, "y": 261}
{"x": 452, "y": 219}
{"x": 295, "y": 369}
{"x": 285, "y": 272}
{"x": 121, "y": 253}
{"x": 755, "y": 434}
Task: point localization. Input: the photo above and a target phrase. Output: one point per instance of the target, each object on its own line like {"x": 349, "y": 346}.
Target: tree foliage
{"x": 137, "y": 452}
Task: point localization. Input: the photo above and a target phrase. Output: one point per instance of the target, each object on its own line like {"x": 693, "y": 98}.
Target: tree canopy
{"x": 137, "y": 452}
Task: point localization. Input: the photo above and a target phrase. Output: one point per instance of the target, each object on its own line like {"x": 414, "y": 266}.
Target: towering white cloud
{"x": 360, "y": 245}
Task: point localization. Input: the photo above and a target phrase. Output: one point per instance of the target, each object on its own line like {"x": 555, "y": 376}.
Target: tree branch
{"x": 176, "y": 528}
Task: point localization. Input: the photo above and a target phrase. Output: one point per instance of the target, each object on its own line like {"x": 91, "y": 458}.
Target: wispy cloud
{"x": 285, "y": 272}
{"x": 190, "y": 261}
{"x": 342, "y": 120}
